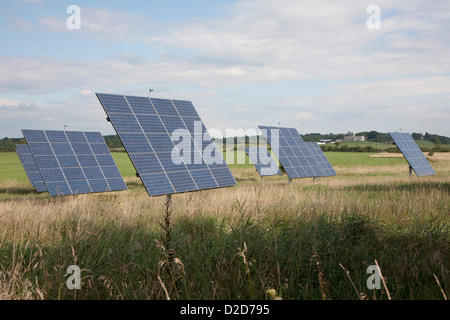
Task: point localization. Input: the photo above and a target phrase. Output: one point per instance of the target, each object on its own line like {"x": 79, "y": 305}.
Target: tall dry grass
{"x": 305, "y": 240}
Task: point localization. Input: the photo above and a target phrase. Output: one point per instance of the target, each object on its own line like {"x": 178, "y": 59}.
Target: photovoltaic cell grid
{"x": 321, "y": 159}
{"x": 294, "y": 155}
{"x": 412, "y": 153}
{"x": 146, "y": 127}
{"x": 263, "y": 161}
{"x": 31, "y": 169}
{"x": 73, "y": 162}
{"x": 24, "y": 167}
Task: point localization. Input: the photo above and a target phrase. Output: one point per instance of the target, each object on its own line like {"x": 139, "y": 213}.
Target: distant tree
{"x": 437, "y": 144}
{"x": 372, "y": 135}
{"x": 344, "y": 148}
{"x": 9, "y": 144}
{"x": 113, "y": 142}
{"x": 417, "y": 136}
{"x": 375, "y": 136}
{"x": 431, "y": 137}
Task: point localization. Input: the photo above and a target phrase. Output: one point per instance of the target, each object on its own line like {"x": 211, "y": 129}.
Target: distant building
{"x": 351, "y": 136}
{"x": 324, "y": 141}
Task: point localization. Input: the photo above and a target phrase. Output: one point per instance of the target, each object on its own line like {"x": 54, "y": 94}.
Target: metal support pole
{"x": 167, "y": 226}
{"x": 314, "y": 179}
{"x": 410, "y": 171}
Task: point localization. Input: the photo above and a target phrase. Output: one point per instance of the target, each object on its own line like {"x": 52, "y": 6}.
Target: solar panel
{"x": 168, "y": 144}
{"x": 73, "y": 162}
{"x": 321, "y": 159}
{"x": 263, "y": 161}
{"x": 294, "y": 155}
{"x": 26, "y": 171}
{"x": 412, "y": 153}
{"x": 31, "y": 169}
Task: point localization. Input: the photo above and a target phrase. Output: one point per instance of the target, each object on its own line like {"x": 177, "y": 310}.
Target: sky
{"x": 318, "y": 66}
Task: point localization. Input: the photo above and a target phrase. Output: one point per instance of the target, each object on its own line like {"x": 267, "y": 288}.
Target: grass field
{"x": 383, "y": 146}
{"x": 388, "y": 145}
{"x": 257, "y": 240}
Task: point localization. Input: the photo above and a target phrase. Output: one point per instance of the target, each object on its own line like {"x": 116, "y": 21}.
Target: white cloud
{"x": 103, "y": 24}
{"x": 11, "y": 105}
{"x": 406, "y": 87}
{"x": 272, "y": 41}
{"x": 86, "y": 92}
{"x": 303, "y": 39}
{"x": 378, "y": 76}
{"x": 4, "y": 102}
{"x": 305, "y": 115}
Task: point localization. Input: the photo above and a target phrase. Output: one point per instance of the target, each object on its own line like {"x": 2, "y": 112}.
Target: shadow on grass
{"x": 134, "y": 184}
{"x": 246, "y": 179}
{"x": 19, "y": 191}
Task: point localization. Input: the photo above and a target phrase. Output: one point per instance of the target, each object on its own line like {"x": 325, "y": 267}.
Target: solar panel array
{"x": 23, "y": 165}
{"x": 73, "y": 162}
{"x": 149, "y": 129}
{"x": 412, "y": 153}
{"x": 263, "y": 161}
{"x": 294, "y": 155}
{"x": 31, "y": 169}
{"x": 321, "y": 159}
{"x": 26, "y": 172}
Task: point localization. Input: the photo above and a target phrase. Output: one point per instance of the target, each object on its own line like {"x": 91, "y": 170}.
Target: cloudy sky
{"x": 312, "y": 65}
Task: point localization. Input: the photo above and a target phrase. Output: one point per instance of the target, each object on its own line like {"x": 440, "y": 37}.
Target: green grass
{"x": 11, "y": 168}
{"x": 232, "y": 243}
{"x": 361, "y": 159}
{"x": 124, "y": 164}
{"x": 384, "y": 146}
{"x": 345, "y": 159}
{"x": 295, "y": 247}
{"x": 378, "y": 146}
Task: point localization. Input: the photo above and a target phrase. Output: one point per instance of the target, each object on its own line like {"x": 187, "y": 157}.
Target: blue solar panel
{"x": 264, "y": 163}
{"x": 166, "y": 140}
{"x": 204, "y": 179}
{"x": 26, "y": 171}
{"x": 73, "y": 162}
{"x": 412, "y": 153}
{"x": 157, "y": 184}
{"x": 29, "y": 164}
{"x": 294, "y": 155}
{"x": 321, "y": 159}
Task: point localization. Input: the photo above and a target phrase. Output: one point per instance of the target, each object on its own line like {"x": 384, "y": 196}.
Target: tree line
{"x": 375, "y": 136}
{"x": 113, "y": 141}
